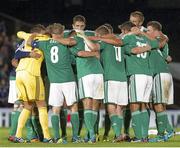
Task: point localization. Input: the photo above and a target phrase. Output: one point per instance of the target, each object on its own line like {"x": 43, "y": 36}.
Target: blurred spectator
{"x": 7, "y": 47}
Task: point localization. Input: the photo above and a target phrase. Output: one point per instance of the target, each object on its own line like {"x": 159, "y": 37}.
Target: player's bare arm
{"x": 109, "y": 39}
{"x": 135, "y": 30}
{"x": 169, "y": 59}
{"x": 89, "y": 54}
{"x": 138, "y": 50}
{"x": 94, "y": 38}
{"x": 14, "y": 62}
{"x": 92, "y": 46}
{"x": 66, "y": 41}
{"x": 34, "y": 54}
{"x": 163, "y": 39}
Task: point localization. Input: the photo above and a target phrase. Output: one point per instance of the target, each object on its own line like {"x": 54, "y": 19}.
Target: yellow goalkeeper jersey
{"x": 32, "y": 65}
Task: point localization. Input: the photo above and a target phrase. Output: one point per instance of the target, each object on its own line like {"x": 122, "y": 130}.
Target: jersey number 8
{"x": 54, "y": 54}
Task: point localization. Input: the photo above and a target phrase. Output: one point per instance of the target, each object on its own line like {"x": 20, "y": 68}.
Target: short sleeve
{"x": 154, "y": 43}
{"x": 39, "y": 44}
{"x": 129, "y": 43}
{"x": 102, "y": 45}
{"x": 128, "y": 49}
{"x": 74, "y": 51}
{"x": 127, "y": 39}
{"x": 165, "y": 51}
{"x": 78, "y": 47}
{"x": 72, "y": 59}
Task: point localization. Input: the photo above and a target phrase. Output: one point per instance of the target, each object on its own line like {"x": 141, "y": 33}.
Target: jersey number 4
{"x": 54, "y": 54}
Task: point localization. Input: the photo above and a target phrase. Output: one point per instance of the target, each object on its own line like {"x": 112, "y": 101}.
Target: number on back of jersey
{"x": 141, "y": 55}
{"x": 118, "y": 53}
{"x": 54, "y": 54}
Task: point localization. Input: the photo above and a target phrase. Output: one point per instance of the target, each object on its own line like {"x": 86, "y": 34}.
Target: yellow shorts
{"x": 29, "y": 87}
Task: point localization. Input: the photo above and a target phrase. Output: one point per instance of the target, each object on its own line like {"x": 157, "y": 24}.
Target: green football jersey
{"x": 58, "y": 61}
{"x": 89, "y": 33}
{"x": 66, "y": 33}
{"x": 12, "y": 74}
{"x": 165, "y": 51}
{"x": 86, "y": 32}
{"x": 137, "y": 63}
{"x": 157, "y": 61}
{"x": 12, "y": 78}
{"x": 112, "y": 59}
{"x": 87, "y": 65}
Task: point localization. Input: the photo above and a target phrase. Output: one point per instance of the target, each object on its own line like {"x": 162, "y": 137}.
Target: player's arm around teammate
{"x": 140, "y": 80}
{"x": 163, "y": 85}
{"x": 30, "y": 68}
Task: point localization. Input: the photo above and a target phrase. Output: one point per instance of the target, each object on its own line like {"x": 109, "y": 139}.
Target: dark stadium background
{"x": 21, "y": 14}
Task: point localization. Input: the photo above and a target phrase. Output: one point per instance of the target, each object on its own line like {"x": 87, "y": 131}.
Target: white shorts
{"x": 163, "y": 90}
{"x": 60, "y": 92}
{"x": 140, "y": 87}
{"x": 12, "y": 98}
{"x": 91, "y": 86}
{"x": 116, "y": 92}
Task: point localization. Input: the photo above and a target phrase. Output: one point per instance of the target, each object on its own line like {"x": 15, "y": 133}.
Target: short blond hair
{"x": 102, "y": 30}
{"x": 138, "y": 14}
{"x": 155, "y": 24}
{"x": 37, "y": 28}
{"x": 79, "y": 18}
{"x": 55, "y": 28}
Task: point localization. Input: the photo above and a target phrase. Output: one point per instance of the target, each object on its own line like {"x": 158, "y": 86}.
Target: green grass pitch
{"x": 173, "y": 142}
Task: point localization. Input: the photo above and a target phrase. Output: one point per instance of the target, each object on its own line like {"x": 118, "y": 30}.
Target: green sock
{"x": 75, "y": 123}
{"x": 37, "y": 127}
{"x": 30, "y": 130}
{"x": 14, "y": 122}
{"x": 127, "y": 120}
{"x": 86, "y": 132}
{"x": 137, "y": 124}
{"x": 169, "y": 127}
{"x": 93, "y": 123}
{"x": 63, "y": 121}
{"x": 88, "y": 118}
{"x": 161, "y": 121}
{"x": 145, "y": 126}
{"x": 12, "y": 131}
{"x": 55, "y": 125}
{"x": 114, "y": 125}
{"x": 94, "y": 118}
{"x": 81, "y": 120}
{"x": 120, "y": 123}
{"x": 107, "y": 125}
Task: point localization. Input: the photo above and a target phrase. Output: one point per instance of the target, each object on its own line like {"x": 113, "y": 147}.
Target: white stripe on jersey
{"x": 20, "y": 46}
